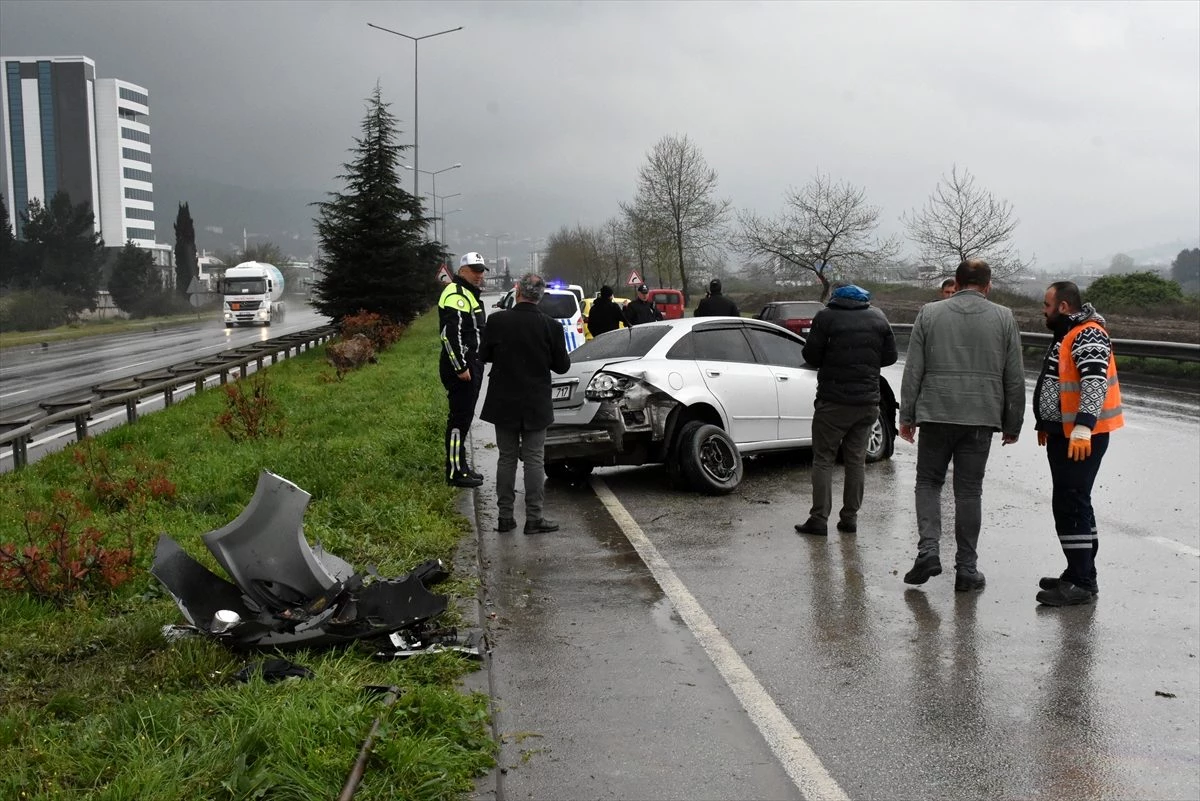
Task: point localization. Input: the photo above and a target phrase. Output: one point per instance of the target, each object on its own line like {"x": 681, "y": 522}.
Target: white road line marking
{"x": 1175, "y": 546}
{"x": 797, "y": 757}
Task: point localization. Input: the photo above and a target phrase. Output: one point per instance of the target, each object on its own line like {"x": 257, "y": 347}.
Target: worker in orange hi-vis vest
{"x": 1077, "y": 403}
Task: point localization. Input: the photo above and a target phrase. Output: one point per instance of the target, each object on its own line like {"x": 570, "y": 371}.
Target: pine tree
{"x": 374, "y": 253}
{"x": 134, "y": 283}
{"x": 186, "y": 265}
{"x": 62, "y": 251}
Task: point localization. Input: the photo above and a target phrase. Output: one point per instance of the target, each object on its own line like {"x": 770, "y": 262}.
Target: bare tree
{"x": 650, "y": 244}
{"x": 578, "y": 255}
{"x": 962, "y": 221}
{"x": 676, "y": 191}
{"x": 824, "y": 228}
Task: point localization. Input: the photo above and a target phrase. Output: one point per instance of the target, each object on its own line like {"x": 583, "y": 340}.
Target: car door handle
{"x": 712, "y": 373}
{"x": 781, "y": 378}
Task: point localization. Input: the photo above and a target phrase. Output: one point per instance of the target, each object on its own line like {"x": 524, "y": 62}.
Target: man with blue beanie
{"x": 849, "y": 342}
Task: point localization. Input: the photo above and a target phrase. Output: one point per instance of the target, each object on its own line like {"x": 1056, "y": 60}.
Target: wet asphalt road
{"x": 602, "y": 691}
{"x": 31, "y": 373}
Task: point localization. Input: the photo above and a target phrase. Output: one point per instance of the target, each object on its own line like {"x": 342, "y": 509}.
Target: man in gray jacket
{"x": 963, "y": 381}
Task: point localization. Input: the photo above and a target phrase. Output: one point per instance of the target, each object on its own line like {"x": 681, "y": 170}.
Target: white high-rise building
{"x": 65, "y": 130}
{"x": 123, "y": 159}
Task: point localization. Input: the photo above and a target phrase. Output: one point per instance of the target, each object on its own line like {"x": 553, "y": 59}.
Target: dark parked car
{"x": 794, "y": 315}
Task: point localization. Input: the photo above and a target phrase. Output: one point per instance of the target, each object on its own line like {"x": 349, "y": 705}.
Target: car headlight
{"x": 606, "y": 386}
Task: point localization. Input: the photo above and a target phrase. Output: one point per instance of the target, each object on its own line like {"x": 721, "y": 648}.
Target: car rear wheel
{"x": 569, "y": 471}
{"x": 709, "y": 459}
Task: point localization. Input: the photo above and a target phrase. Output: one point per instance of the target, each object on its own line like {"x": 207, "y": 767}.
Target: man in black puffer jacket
{"x": 849, "y": 342}
{"x": 715, "y": 304}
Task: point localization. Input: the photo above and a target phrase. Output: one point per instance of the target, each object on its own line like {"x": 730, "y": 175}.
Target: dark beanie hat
{"x": 714, "y": 286}
{"x": 606, "y": 291}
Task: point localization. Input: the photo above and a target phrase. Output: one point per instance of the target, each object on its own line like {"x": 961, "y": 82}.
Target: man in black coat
{"x": 523, "y": 345}
{"x": 849, "y": 342}
{"x": 640, "y": 310}
{"x": 605, "y": 315}
{"x": 714, "y": 304}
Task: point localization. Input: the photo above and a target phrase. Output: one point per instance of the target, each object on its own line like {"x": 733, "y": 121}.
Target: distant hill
{"x": 282, "y": 216}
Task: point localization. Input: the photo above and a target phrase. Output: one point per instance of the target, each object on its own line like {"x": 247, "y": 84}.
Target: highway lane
{"x": 31, "y": 373}
{"x": 896, "y": 692}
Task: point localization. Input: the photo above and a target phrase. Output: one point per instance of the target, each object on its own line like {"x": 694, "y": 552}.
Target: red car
{"x": 668, "y": 301}
{"x": 794, "y": 315}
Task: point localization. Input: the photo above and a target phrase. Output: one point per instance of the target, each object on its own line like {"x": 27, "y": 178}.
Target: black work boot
{"x": 542, "y": 526}
{"x": 505, "y": 524}
{"x": 967, "y": 580}
{"x": 464, "y": 480}
{"x": 814, "y": 527}
{"x": 1050, "y": 582}
{"x": 1066, "y": 594}
{"x": 924, "y": 568}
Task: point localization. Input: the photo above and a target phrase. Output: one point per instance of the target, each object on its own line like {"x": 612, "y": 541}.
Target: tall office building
{"x": 64, "y": 130}
{"x": 123, "y": 157}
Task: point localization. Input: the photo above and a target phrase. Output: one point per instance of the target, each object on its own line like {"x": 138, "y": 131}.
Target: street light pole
{"x": 442, "y": 214}
{"x": 416, "y": 40}
{"x": 498, "y": 237}
{"x": 434, "y": 175}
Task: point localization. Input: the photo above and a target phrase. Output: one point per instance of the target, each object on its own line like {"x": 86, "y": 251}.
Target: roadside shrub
{"x": 1143, "y": 289}
{"x": 382, "y": 332}
{"x": 34, "y": 310}
{"x": 251, "y": 411}
{"x": 118, "y": 487}
{"x": 63, "y": 555}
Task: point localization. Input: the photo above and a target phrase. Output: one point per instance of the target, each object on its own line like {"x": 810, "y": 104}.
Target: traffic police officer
{"x": 461, "y": 316}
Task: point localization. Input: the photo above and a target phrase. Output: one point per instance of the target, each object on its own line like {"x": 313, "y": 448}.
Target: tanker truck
{"x": 253, "y": 294}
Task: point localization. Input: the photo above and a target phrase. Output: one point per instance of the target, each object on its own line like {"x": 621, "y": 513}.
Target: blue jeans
{"x": 968, "y": 447}
{"x": 1074, "y": 518}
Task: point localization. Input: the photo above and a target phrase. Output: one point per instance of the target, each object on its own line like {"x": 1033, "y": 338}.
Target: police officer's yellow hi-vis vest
{"x": 453, "y": 297}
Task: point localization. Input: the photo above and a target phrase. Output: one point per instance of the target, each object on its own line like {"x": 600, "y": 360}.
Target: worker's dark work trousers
{"x": 1071, "y": 501}
{"x": 462, "y": 396}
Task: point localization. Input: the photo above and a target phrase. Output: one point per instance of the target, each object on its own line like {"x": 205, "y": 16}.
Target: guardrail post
{"x": 131, "y": 410}
{"x": 199, "y": 386}
{"x": 20, "y": 454}
{"x": 81, "y": 430}
{"x": 168, "y": 396}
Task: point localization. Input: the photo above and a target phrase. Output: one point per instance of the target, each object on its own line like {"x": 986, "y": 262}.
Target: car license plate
{"x": 561, "y": 392}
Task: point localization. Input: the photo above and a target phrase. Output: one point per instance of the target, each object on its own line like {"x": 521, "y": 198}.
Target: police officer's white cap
{"x": 474, "y": 261}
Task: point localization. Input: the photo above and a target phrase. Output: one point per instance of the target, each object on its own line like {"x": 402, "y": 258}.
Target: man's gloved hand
{"x": 1080, "y": 446}
{"x": 1042, "y": 437}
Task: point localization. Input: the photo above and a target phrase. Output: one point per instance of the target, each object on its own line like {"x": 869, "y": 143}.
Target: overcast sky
{"x": 1086, "y": 116}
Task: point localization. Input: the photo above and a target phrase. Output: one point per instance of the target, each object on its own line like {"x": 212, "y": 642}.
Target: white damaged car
{"x": 695, "y": 394}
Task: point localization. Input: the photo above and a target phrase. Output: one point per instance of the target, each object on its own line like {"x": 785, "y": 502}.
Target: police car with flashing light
{"x": 563, "y": 305}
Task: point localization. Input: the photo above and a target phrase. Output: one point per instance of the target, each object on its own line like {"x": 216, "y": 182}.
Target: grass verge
{"x": 94, "y": 704}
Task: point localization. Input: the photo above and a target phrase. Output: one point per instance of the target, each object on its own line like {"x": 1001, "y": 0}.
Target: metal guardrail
{"x": 1141, "y": 348}
{"x": 127, "y": 392}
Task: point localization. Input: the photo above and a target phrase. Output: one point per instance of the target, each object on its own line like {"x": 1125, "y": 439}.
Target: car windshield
{"x": 559, "y": 306}
{"x": 623, "y": 342}
{"x": 245, "y": 286}
{"x": 806, "y": 309}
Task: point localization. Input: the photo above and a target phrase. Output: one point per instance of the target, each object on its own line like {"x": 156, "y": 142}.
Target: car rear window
{"x": 559, "y": 306}
{"x": 806, "y": 310}
{"x": 623, "y": 342}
